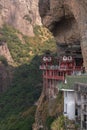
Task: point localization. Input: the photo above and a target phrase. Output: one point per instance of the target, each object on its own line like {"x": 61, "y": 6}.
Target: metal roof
{"x": 71, "y": 80}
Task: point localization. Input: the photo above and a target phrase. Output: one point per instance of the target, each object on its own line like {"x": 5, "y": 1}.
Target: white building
{"x": 75, "y": 99}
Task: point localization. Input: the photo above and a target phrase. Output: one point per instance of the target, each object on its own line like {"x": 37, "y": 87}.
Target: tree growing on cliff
{"x": 58, "y": 124}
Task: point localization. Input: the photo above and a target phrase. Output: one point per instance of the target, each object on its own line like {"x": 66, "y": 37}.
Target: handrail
{"x": 56, "y": 67}
{"x": 54, "y": 77}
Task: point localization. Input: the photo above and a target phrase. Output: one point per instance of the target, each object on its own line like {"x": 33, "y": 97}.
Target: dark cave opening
{"x": 62, "y": 25}
{"x": 66, "y": 33}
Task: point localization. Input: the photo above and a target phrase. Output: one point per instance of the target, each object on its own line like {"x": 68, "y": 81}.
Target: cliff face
{"x": 67, "y": 20}
{"x": 22, "y": 14}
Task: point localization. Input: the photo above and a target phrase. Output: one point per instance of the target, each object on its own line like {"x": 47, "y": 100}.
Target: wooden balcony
{"x": 78, "y": 68}
{"x": 54, "y": 77}
{"x": 56, "y": 67}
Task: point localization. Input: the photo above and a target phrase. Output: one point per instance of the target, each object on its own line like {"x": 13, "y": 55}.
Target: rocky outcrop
{"x": 4, "y": 51}
{"x": 67, "y": 20}
{"x": 47, "y": 108}
{"x": 39, "y": 117}
{"x": 22, "y": 14}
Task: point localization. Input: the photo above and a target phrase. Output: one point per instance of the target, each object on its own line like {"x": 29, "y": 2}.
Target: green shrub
{"x": 59, "y": 123}
{"x": 36, "y": 29}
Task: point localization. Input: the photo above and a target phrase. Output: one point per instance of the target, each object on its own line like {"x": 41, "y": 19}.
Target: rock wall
{"x": 67, "y": 20}
{"x": 4, "y": 51}
{"x": 41, "y": 112}
{"x": 22, "y": 14}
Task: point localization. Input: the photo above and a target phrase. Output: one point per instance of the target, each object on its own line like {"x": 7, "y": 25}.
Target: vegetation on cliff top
{"x": 17, "y": 107}
{"x": 23, "y": 48}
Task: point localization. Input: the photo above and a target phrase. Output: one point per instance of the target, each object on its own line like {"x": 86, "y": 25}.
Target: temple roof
{"x": 71, "y": 81}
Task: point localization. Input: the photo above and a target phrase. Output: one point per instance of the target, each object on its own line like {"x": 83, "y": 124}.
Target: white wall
{"x": 69, "y": 104}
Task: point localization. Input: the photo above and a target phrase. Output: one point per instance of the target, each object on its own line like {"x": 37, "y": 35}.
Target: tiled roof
{"x": 71, "y": 80}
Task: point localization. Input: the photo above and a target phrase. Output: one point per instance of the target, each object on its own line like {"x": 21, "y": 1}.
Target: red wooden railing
{"x": 54, "y": 77}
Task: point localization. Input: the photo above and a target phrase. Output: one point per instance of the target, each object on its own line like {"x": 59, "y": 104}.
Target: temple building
{"x": 55, "y": 70}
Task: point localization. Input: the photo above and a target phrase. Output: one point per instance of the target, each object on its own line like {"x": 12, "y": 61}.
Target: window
{"x": 85, "y": 118}
{"x": 65, "y": 94}
{"x": 65, "y": 109}
{"x": 76, "y": 112}
{"x": 84, "y": 107}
